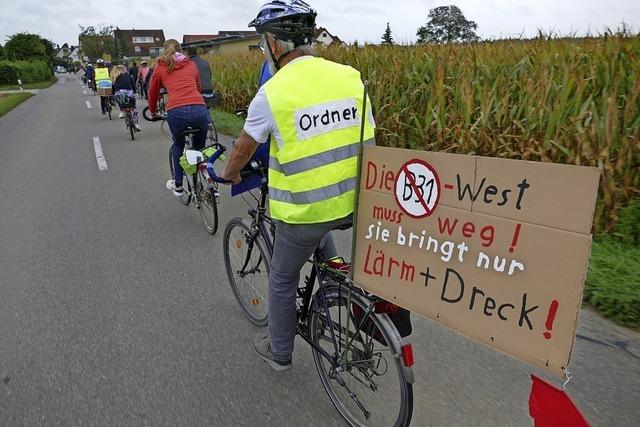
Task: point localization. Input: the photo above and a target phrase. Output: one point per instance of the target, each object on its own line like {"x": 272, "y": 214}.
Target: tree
{"x": 26, "y": 46}
{"x": 95, "y": 43}
{"x": 387, "y": 38}
{"x": 49, "y": 51}
{"x": 447, "y": 24}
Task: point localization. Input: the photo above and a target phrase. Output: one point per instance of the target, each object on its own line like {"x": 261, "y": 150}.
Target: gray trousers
{"x": 294, "y": 244}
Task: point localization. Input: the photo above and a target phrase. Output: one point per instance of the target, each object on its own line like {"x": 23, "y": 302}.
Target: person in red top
{"x": 186, "y": 108}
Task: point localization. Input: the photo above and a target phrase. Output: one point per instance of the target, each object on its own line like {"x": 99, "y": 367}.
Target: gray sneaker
{"x": 262, "y": 346}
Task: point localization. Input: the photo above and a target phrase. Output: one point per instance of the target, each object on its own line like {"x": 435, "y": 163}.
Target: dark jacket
{"x": 134, "y": 73}
{"x": 206, "y": 85}
{"x": 124, "y": 82}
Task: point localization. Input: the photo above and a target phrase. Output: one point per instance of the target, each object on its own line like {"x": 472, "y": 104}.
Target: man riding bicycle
{"x": 206, "y": 84}
{"x": 313, "y": 109}
{"x": 103, "y": 81}
{"x": 142, "y": 76}
{"x": 89, "y": 74}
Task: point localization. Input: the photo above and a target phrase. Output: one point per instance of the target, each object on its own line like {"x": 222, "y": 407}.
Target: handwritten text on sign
{"x": 469, "y": 241}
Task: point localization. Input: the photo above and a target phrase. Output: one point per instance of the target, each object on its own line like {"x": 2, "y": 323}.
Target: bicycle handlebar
{"x": 253, "y": 167}
{"x": 151, "y": 119}
{"x": 212, "y": 172}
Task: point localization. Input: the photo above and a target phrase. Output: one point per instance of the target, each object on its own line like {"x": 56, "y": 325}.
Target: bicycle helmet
{"x": 100, "y": 61}
{"x": 288, "y": 20}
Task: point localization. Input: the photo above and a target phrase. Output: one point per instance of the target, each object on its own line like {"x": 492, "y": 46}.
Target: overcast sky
{"x": 362, "y": 20}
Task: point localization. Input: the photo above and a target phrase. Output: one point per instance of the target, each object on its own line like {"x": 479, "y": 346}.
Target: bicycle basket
{"x": 191, "y": 169}
{"x": 124, "y": 100}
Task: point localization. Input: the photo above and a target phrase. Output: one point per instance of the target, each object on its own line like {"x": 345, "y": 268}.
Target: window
{"x": 157, "y": 39}
{"x": 143, "y": 39}
{"x": 137, "y": 49}
{"x": 324, "y": 34}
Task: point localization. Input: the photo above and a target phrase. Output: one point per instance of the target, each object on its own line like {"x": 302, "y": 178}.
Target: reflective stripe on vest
{"x": 317, "y": 160}
{"x": 316, "y": 105}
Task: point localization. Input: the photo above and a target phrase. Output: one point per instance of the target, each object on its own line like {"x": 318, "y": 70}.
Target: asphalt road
{"x": 114, "y": 306}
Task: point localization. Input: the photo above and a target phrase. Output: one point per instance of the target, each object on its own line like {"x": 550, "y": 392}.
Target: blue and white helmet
{"x": 288, "y": 20}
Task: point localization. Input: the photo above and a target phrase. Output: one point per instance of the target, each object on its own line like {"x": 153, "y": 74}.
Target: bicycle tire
{"x": 365, "y": 351}
{"x": 129, "y": 120}
{"x": 253, "y": 299}
{"x": 212, "y": 133}
{"x": 186, "y": 193}
{"x": 207, "y": 204}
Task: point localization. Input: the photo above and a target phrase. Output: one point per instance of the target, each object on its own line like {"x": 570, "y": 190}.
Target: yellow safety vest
{"x": 317, "y": 108}
{"x": 102, "y": 74}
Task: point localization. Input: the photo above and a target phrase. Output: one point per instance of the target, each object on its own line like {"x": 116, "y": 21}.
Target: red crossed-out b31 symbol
{"x": 417, "y": 188}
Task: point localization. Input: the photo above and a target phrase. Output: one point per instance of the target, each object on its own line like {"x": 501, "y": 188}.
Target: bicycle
{"x": 128, "y": 120}
{"x": 140, "y": 89}
{"x": 198, "y": 186}
{"x": 363, "y": 363}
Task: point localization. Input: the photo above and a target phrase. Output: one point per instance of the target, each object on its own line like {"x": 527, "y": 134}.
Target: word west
{"x": 490, "y": 191}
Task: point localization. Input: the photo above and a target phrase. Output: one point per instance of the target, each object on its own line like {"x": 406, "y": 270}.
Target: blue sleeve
{"x": 265, "y": 74}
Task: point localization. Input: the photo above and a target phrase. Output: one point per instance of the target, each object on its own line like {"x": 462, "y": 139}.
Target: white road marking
{"x": 88, "y": 104}
{"x": 102, "y": 162}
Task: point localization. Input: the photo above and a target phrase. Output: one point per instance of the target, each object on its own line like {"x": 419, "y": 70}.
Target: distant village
{"x": 147, "y": 44}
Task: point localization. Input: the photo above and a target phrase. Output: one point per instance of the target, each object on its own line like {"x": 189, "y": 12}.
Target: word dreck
{"x": 471, "y": 242}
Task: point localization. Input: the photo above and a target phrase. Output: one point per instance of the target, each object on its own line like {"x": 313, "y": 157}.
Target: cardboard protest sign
{"x": 496, "y": 249}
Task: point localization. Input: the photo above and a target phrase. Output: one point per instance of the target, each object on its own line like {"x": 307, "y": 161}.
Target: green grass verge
{"x": 37, "y": 85}
{"x": 227, "y": 123}
{"x": 613, "y": 282}
{"x": 10, "y": 101}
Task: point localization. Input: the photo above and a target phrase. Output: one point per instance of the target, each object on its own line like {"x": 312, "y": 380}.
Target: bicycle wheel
{"x": 247, "y": 266}
{"x": 186, "y": 185}
{"x": 208, "y": 203}
{"x": 212, "y": 134}
{"x": 129, "y": 121}
{"x": 366, "y": 382}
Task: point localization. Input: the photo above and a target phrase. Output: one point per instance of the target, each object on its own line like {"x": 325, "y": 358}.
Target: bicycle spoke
{"x": 364, "y": 377}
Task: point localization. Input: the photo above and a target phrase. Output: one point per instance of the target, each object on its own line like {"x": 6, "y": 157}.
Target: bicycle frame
{"x": 259, "y": 218}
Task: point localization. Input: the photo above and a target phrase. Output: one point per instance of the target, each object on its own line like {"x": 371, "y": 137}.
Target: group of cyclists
{"x": 121, "y": 83}
{"x": 312, "y": 170}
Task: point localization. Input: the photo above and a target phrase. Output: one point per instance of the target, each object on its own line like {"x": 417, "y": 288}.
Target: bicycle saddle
{"x": 190, "y": 131}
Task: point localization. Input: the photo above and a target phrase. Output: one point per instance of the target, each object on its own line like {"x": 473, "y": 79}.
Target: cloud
{"x": 363, "y": 20}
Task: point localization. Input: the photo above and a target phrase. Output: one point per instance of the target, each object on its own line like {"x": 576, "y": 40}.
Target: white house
{"x": 324, "y": 37}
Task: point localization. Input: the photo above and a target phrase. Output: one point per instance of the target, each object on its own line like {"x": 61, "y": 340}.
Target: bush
{"x": 628, "y": 228}
{"x": 613, "y": 282}
{"x": 28, "y": 71}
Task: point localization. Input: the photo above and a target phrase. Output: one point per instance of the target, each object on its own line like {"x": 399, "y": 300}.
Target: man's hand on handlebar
{"x": 231, "y": 179}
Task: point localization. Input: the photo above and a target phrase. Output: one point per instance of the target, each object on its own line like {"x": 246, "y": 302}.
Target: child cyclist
{"x": 123, "y": 91}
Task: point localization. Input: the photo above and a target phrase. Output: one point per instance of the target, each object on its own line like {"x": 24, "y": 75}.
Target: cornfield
{"x": 574, "y": 101}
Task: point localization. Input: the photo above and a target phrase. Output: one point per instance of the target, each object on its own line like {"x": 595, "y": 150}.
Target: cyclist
{"x": 133, "y": 70}
{"x": 313, "y": 156}
{"x": 89, "y": 73}
{"x": 206, "y": 84}
{"x": 103, "y": 81}
{"x": 123, "y": 91}
{"x": 186, "y": 108}
{"x": 142, "y": 75}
